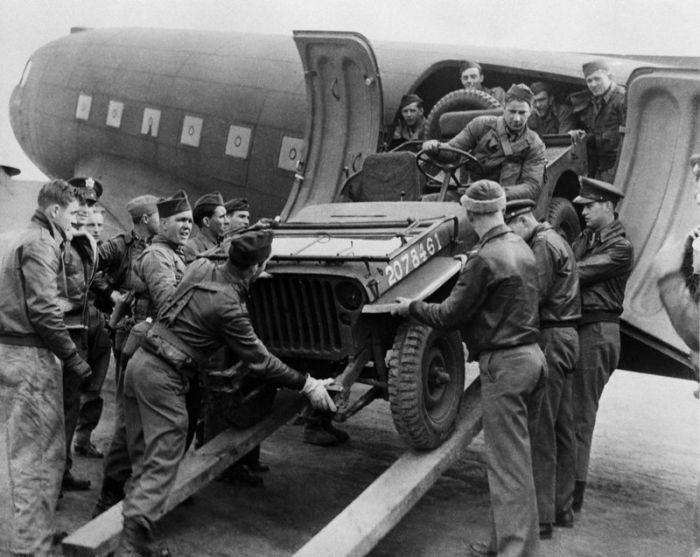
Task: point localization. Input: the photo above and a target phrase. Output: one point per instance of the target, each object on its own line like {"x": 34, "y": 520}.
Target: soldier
{"x": 96, "y": 223}
{"x": 495, "y": 305}
{"x": 34, "y": 342}
{"x": 554, "y": 117}
{"x": 206, "y": 312}
{"x": 212, "y": 222}
{"x": 510, "y": 153}
{"x": 117, "y": 259}
{"x": 604, "y": 260}
{"x": 238, "y": 213}
{"x": 600, "y": 115}
{"x": 472, "y": 77}
{"x": 553, "y": 439}
{"x": 409, "y": 125}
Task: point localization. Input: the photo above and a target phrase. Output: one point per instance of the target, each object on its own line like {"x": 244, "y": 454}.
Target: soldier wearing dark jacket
{"x": 510, "y": 153}
{"x": 207, "y": 312}
{"x": 600, "y": 115}
{"x": 553, "y": 440}
{"x": 604, "y": 259}
{"x": 495, "y": 306}
{"x": 212, "y": 222}
{"x": 33, "y": 343}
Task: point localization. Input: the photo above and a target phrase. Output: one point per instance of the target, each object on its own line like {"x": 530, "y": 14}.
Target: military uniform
{"x": 602, "y": 118}
{"x": 515, "y": 162}
{"x": 208, "y": 311}
{"x": 494, "y": 304}
{"x": 199, "y": 244}
{"x": 557, "y": 120}
{"x": 604, "y": 259}
{"x": 33, "y": 342}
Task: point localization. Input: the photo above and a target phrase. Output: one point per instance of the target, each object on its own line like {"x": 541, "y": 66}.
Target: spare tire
{"x": 564, "y": 219}
{"x": 462, "y": 99}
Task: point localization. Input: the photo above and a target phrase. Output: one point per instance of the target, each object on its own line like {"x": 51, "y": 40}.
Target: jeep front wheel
{"x": 426, "y": 383}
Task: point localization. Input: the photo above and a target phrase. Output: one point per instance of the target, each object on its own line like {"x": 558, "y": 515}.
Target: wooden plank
{"x": 361, "y": 525}
{"x": 100, "y": 536}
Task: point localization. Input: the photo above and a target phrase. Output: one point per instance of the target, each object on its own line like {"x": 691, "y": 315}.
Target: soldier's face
{"x": 152, "y": 223}
{"x": 542, "y": 102}
{"x": 517, "y": 225}
{"x": 239, "y": 219}
{"x": 218, "y": 222}
{"x": 471, "y": 77}
{"x": 82, "y": 216}
{"x": 95, "y": 224}
{"x": 516, "y": 114}
{"x": 411, "y": 113}
{"x": 596, "y": 214}
{"x": 598, "y": 82}
{"x": 177, "y": 228}
{"x": 64, "y": 217}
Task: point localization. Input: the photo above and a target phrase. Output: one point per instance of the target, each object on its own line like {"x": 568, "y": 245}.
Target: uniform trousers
{"x": 32, "y": 449}
{"x": 156, "y": 432}
{"x": 512, "y": 386}
{"x": 98, "y": 355}
{"x": 554, "y": 441}
{"x": 72, "y": 386}
{"x": 599, "y": 354}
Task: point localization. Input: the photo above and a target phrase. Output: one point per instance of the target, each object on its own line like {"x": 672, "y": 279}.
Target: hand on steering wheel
{"x": 430, "y": 157}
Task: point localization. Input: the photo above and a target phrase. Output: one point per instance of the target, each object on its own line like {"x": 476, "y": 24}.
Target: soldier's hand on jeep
{"x": 431, "y": 145}
{"x": 577, "y": 136}
{"x": 315, "y": 391}
{"x": 401, "y": 307}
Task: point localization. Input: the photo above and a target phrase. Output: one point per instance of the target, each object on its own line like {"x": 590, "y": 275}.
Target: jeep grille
{"x": 296, "y": 316}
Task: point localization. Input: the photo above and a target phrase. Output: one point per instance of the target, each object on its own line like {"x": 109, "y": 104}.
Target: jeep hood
{"x": 663, "y": 113}
{"x": 344, "y": 98}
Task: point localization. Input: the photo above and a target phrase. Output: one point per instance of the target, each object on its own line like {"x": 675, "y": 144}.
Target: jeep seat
{"x": 385, "y": 177}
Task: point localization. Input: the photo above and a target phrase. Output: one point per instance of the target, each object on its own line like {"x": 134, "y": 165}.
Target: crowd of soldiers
{"x": 525, "y": 301}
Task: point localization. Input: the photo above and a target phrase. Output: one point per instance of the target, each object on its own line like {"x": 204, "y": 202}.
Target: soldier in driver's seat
{"x": 510, "y": 153}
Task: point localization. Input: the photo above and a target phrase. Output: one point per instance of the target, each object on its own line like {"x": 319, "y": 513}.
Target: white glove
{"x": 315, "y": 391}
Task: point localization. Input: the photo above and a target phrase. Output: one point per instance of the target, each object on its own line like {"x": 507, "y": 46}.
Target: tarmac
{"x": 639, "y": 502}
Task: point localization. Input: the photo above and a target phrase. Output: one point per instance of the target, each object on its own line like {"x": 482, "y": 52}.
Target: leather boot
{"x": 111, "y": 493}
{"x": 134, "y": 540}
{"x": 320, "y": 431}
{"x": 579, "y": 488}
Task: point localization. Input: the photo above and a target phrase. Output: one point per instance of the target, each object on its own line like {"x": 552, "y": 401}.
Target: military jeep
{"x": 354, "y": 236}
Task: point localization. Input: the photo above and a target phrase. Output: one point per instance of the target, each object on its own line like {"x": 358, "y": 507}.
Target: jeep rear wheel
{"x": 426, "y": 383}
{"x": 563, "y": 218}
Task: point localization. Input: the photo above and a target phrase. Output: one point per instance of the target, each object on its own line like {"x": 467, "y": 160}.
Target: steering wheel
{"x": 427, "y": 158}
{"x": 410, "y": 145}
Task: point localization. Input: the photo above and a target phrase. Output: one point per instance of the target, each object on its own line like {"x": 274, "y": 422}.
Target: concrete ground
{"x": 639, "y": 502}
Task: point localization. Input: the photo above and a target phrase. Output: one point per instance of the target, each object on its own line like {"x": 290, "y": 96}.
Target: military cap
{"x": 10, "y": 170}
{"x": 519, "y": 92}
{"x": 484, "y": 196}
{"x": 237, "y": 204}
{"x": 594, "y": 66}
{"x": 694, "y": 159}
{"x": 597, "y": 190}
{"x": 410, "y": 99}
{"x": 251, "y": 247}
{"x": 169, "y": 206}
{"x": 538, "y": 87}
{"x": 89, "y": 188}
{"x": 518, "y": 207}
{"x": 142, "y": 205}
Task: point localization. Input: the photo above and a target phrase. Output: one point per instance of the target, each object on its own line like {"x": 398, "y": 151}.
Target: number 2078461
{"x": 411, "y": 259}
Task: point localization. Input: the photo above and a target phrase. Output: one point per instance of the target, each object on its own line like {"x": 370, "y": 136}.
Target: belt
{"x": 33, "y": 340}
{"x": 554, "y": 324}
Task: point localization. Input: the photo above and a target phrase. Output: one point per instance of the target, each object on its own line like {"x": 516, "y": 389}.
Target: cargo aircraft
{"x": 150, "y": 110}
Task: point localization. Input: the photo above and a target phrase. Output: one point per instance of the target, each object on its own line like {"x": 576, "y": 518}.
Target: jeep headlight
{"x": 349, "y": 295}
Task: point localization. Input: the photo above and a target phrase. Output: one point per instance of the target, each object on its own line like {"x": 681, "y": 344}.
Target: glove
{"x": 78, "y": 366}
{"x": 315, "y": 391}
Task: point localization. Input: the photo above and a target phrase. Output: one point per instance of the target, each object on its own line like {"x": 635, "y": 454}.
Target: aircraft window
{"x": 25, "y": 73}
{"x": 150, "y": 122}
{"x": 82, "y": 111}
{"x": 238, "y": 142}
{"x": 191, "y": 131}
{"x": 290, "y": 153}
{"x": 114, "y": 114}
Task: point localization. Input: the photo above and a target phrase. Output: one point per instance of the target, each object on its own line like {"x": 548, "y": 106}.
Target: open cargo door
{"x": 663, "y": 118}
{"x": 344, "y": 98}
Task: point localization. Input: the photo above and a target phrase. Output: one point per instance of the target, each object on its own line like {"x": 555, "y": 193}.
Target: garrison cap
{"x": 169, "y": 206}
{"x": 694, "y": 159}
{"x": 594, "y": 66}
{"x": 237, "y": 204}
{"x": 89, "y": 188}
{"x": 10, "y": 170}
{"x": 206, "y": 204}
{"x": 597, "y": 190}
{"x": 410, "y": 99}
{"x": 484, "y": 196}
{"x": 251, "y": 247}
{"x": 518, "y": 207}
{"x": 519, "y": 92}
{"x": 142, "y": 205}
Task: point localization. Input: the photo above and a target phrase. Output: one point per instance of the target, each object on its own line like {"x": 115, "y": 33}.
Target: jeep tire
{"x": 564, "y": 219}
{"x": 426, "y": 383}
{"x": 462, "y": 99}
